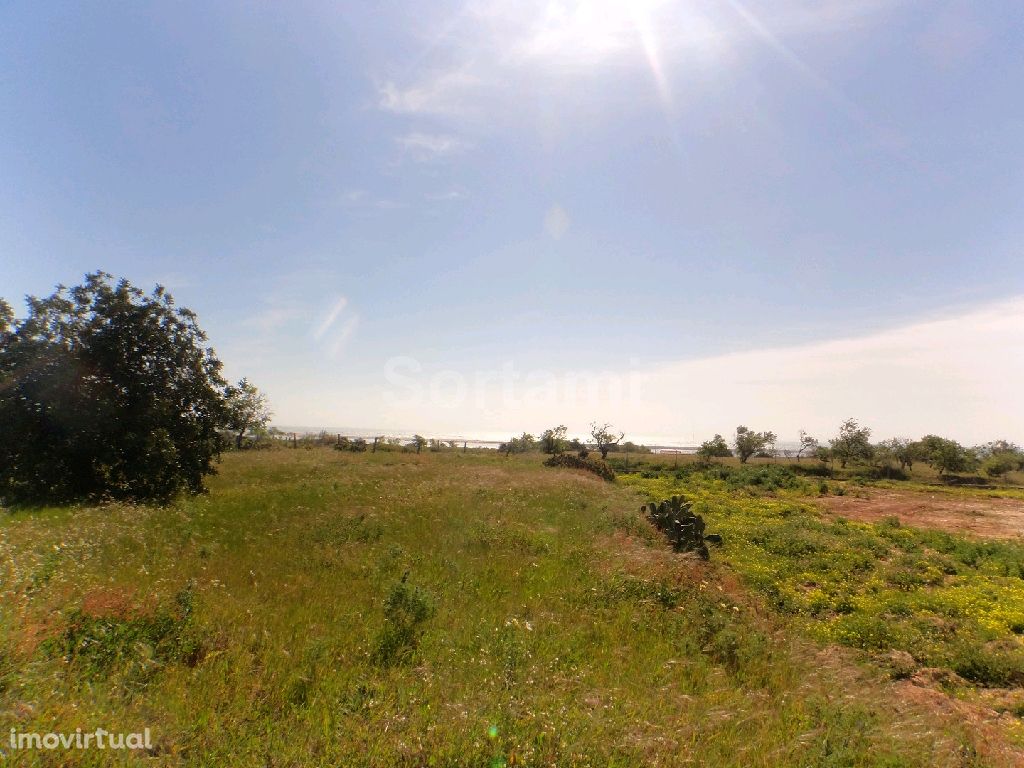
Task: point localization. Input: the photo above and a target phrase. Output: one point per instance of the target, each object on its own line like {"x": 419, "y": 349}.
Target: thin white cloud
{"x": 959, "y": 375}
{"x": 446, "y": 196}
{"x": 440, "y": 93}
{"x": 424, "y": 147}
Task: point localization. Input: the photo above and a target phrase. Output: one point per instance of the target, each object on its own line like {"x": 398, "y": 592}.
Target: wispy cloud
{"x": 441, "y": 93}
{"x": 425, "y": 147}
{"x": 360, "y": 201}
{"x": 447, "y": 195}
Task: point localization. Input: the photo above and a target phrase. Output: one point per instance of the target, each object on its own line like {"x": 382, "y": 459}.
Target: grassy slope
{"x": 564, "y": 631}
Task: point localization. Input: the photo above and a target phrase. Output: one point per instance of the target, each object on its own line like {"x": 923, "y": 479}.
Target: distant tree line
{"x": 603, "y": 439}
{"x": 852, "y": 445}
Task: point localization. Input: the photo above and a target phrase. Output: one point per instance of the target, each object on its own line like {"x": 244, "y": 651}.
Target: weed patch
{"x": 406, "y": 610}
{"x": 97, "y": 644}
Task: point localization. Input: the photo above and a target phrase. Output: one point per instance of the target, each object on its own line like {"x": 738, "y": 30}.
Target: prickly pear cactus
{"x": 685, "y": 530}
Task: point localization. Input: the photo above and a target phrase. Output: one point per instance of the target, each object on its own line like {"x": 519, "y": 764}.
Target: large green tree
{"x": 106, "y": 392}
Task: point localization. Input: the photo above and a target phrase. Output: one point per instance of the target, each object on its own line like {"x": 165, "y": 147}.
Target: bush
{"x": 108, "y": 392}
{"x": 769, "y": 477}
{"x": 406, "y": 610}
{"x": 597, "y": 466}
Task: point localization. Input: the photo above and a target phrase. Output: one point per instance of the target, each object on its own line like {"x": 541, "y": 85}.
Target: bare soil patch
{"x": 990, "y": 518}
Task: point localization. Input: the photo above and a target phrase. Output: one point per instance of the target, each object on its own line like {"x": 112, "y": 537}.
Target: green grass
{"x": 949, "y": 601}
{"x": 323, "y": 608}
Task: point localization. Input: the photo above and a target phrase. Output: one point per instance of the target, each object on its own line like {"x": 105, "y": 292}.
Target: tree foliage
{"x": 246, "y": 409}
{"x": 808, "y": 445}
{"x": 604, "y": 437}
{"x": 553, "y": 440}
{"x": 1000, "y": 457}
{"x": 525, "y": 442}
{"x": 106, "y": 392}
{"x": 748, "y": 442}
{"x": 714, "y": 448}
{"x": 947, "y": 455}
{"x": 853, "y": 443}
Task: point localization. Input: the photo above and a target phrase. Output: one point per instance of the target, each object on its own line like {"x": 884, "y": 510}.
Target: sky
{"x": 475, "y": 219}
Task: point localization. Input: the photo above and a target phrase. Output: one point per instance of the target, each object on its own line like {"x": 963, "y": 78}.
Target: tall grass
{"x": 400, "y": 610}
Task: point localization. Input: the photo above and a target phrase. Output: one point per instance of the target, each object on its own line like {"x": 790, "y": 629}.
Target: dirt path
{"x": 989, "y": 518}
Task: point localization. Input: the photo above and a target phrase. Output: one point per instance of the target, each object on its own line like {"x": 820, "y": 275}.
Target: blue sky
{"x": 559, "y": 187}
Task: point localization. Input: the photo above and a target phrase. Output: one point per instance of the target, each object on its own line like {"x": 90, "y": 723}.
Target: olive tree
{"x": 748, "y": 442}
{"x": 604, "y": 438}
{"x": 808, "y": 445}
{"x": 853, "y": 443}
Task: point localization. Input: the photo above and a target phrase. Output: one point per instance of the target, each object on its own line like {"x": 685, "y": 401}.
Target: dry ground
{"x": 980, "y": 516}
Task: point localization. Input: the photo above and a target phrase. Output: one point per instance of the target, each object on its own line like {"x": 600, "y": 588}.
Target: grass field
{"x": 389, "y": 609}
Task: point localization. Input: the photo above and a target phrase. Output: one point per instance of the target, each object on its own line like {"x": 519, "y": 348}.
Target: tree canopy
{"x": 106, "y": 392}
{"x": 246, "y": 409}
{"x": 553, "y": 440}
{"x": 749, "y": 442}
{"x": 853, "y": 443}
{"x": 714, "y": 448}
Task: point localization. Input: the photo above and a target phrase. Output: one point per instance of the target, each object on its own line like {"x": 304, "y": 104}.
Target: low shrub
{"x": 571, "y": 461}
{"x": 770, "y": 478}
{"x": 406, "y": 610}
